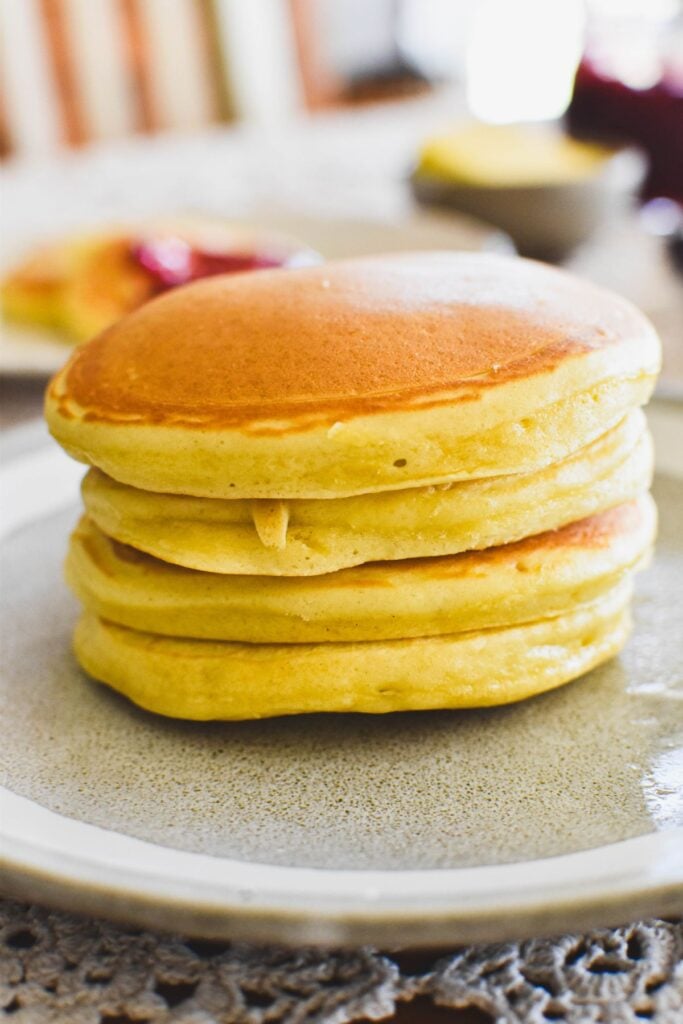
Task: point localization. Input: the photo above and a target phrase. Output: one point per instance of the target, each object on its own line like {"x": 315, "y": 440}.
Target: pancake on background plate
{"x": 79, "y": 284}
{"x": 412, "y": 481}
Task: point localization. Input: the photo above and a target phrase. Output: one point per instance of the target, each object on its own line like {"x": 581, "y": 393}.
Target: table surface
{"x": 352, "y": 164}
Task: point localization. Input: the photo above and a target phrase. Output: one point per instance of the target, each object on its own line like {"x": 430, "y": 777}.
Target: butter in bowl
{"x": 549, "y": 192}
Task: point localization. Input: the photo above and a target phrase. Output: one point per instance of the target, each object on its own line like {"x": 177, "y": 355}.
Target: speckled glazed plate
{"x": 560, "y": 812}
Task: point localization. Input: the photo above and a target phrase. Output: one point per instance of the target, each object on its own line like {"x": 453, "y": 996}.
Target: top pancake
{"x": 356, "y": 376}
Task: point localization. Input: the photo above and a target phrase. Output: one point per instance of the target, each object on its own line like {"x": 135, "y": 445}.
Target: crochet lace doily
{"x": 60, "y": 969}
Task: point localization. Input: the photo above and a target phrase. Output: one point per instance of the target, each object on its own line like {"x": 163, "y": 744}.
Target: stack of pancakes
{"x": 391, "y": 483}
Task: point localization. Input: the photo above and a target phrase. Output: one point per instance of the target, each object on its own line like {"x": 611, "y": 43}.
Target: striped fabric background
{"x": 73, "y": 71}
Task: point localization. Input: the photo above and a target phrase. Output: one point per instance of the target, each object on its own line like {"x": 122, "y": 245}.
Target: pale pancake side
{"x": 542, "y": 576}
{"x": 309, "y": 537}
{"x": 202, "y": 679}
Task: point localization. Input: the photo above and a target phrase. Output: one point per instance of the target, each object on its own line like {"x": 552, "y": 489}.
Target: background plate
{"x": 559, "y": 812}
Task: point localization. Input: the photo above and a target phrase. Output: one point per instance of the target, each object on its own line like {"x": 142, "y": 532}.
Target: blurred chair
{"x": 75, "y": 71}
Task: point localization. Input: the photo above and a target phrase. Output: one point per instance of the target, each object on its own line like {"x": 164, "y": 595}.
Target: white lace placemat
{"x": 57, "y": 968}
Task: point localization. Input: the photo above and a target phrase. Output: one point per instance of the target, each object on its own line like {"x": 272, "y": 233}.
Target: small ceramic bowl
{"x": 546, "y": 220}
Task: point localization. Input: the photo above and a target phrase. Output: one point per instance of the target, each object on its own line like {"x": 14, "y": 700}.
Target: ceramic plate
{"x": 35, "y": 352}
{"x": 436, "y": 827}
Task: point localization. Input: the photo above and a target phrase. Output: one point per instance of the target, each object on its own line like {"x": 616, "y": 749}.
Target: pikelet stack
{"x": 391, "y": 483}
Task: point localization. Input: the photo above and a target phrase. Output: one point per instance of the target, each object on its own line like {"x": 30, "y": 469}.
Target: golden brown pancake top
{"x": 320, "y": 344}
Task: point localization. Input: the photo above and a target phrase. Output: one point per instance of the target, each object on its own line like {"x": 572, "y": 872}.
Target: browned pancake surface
{"x": 348, "y": 338}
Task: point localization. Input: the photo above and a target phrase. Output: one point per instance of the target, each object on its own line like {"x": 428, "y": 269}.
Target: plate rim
{"x": 219, "y": 897}
{"x": 293, "y": 907}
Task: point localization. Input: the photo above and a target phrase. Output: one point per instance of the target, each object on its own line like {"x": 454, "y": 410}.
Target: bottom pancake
{"x": 200, "y": 679}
